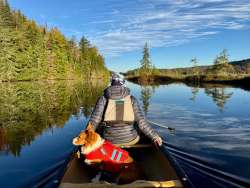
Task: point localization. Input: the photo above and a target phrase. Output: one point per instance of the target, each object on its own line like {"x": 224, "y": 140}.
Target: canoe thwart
{"x": 137, "y": 146}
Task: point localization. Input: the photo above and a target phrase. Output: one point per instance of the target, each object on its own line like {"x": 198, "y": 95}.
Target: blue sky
{"x": 176, "y": 30}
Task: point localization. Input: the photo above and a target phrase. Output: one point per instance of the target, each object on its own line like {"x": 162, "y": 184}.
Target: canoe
{"x": 158, "y": 170}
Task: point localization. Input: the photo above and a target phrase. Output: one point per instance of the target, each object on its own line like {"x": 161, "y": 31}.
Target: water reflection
{"x": 220, "y": 96}
{"x": 29, "y": 108}
{"x": 146, "y": 94}
{"x": 219, "y": 139}
{"x": 195, "y": 91}
{"x": 218, "y": 92}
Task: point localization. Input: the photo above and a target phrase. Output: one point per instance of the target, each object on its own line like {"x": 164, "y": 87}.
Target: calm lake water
{"x": 39, "y": 120}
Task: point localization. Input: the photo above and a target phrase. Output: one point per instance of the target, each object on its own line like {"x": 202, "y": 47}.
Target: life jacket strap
{"x": 103, "y": 151}
{"x": 118, "y": 156}
{"x": 119, "y": 122}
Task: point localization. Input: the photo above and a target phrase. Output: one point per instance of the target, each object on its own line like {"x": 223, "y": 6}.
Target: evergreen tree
{"x": 19, "y": 19}
{"x": 6, "y": 19}
{"x": 84, "y": 46}
{"x": 194, "y": 62}
{"x": 8, "y": 55}
{"x": 221, "y": 65}
{"x": 73, "y": 50}
{"x": 145, "y": 61}
{"x": 222, "y": 58}
{"x": 33, "y": 52}
{"x": 85, "y": 63}
{"x": 146, "y": 70}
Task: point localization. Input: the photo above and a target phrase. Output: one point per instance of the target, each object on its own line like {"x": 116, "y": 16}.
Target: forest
{"x": 29, "y": 51}
{"x": 222, "y": 70}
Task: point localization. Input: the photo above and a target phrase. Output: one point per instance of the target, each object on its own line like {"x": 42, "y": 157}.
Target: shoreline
{"x": 190, "y": 78}
{"x": 242, "y": 82}
{"x": 51, "y": 80}
{"x": 232, "y": 72}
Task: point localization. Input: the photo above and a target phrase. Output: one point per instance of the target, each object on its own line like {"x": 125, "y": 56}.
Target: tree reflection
{"x": 220, "y": 96}
{"x": 29, "y": 108}
{"x": 146, "y": 94}
{"x": 194, "y": 91}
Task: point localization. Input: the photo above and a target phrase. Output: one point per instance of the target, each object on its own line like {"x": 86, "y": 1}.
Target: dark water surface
{"x": 39, "y": 120}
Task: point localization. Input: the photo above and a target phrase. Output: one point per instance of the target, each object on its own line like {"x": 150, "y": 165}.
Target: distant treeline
{"x": 32, "y": 52}
{"x": 242, "y": 66}
{"x": 221, "y": 70}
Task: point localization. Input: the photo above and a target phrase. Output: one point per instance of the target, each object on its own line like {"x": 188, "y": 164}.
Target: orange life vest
{"x": 112, "y": 157}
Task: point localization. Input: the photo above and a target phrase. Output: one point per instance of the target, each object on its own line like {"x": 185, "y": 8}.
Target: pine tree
{"x": 146, "y": 70}
{"x": 145, "y": 61}
{"x": 222, "y": 58}
{"x": 86, "y": 56}
{"x": 6, "y": 19}
{"x": 221, "y": 66}
{"x": 73, "y": 53}
{"x": 84, "y": 46}
{"x": 194, "y": 62}
{"x": 32, "y": 52}
{"x": 9, "y": 68}
{"x": 19, "y": 19}
{"x": 32, "y": 32}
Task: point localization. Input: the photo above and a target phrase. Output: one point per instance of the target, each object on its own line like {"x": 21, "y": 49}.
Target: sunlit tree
{"x": 145, "y": 61}
{"x": 32, "y": 52}
{"x": 195, "y": 68}
{"x": 222, "y": 58}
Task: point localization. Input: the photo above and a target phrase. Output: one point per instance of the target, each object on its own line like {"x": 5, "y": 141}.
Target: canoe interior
{"x": 155, "y": 165}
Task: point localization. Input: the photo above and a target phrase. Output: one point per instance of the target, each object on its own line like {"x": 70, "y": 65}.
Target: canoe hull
{"x": 157, "y": 170}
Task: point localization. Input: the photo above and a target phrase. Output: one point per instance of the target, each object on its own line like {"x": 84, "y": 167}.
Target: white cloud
{"x": 165, "y": 23}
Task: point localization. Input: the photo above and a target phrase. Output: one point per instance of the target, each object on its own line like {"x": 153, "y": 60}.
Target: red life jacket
{"x": 112, "y": 157}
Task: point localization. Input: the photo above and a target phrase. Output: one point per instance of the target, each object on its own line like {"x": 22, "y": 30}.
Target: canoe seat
{"x": 137, "y": 146}
{"x": 157, "y": 170}
{"x": 135, "y": 184}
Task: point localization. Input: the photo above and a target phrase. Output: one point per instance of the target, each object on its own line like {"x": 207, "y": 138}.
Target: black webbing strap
{"x": 119, "y": 104}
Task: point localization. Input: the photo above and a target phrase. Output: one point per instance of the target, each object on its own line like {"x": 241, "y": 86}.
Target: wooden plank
{"x": 135, "y": 184}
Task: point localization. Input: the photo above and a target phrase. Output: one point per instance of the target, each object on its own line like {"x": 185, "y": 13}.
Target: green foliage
{"x": 32, "y": 52}
{"x": 146, "y": 94}
{"x": 155, "y": 71}
{"x": 84, "y": 46}
{"x": 145, "y": 61}
{"x": 9, "y": 67}
{"x": 146, "y": 64}
{"x": 194, "y": 62}
{"x": 195, "y": 69}
{"x": 222, "y": 58}
{"x": 91, "y": 59}
{"x": 221, "y": 68}
{"x": 6, "y": 18}
{"x": 247, "y": 69}
{"x": 29, "y": 108}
